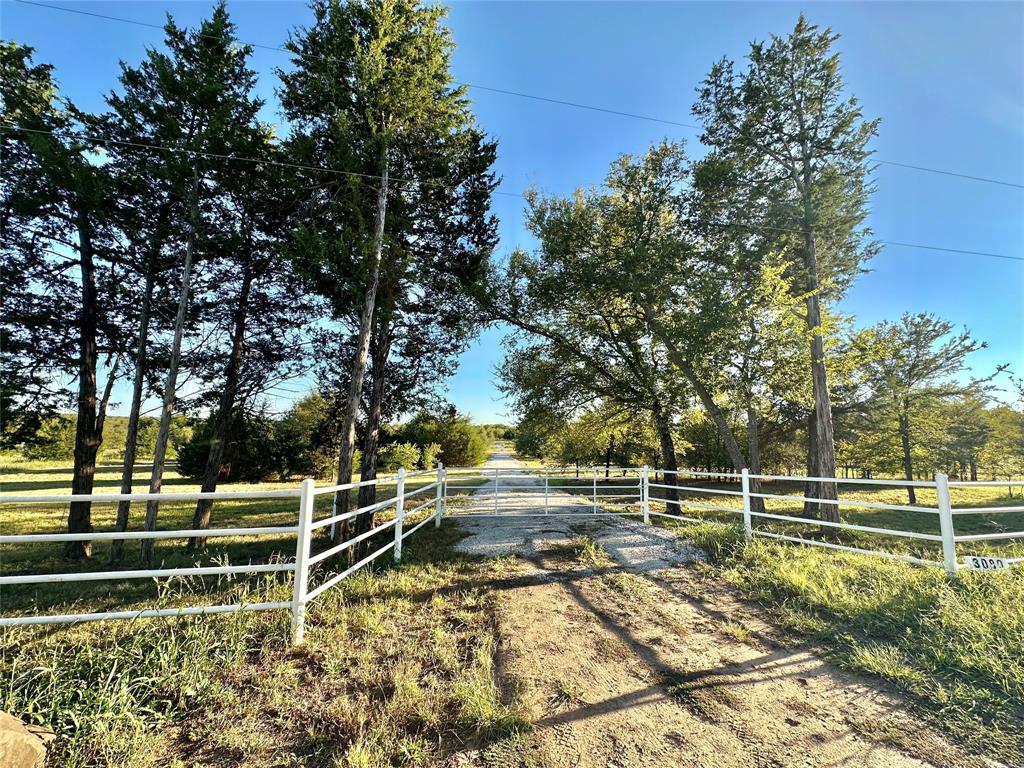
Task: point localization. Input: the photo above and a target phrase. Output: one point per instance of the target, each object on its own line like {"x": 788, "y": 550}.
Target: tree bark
{"x": 225, "y": 410}
{"x": 663, "y": 427}
{"x": 811, "y": 487}
{"x": 608, "y": 456}
{"x": 87, "y": 440}
{"x": 908, "y": 462}
{"x": 754, "y": 456}
{"x": 732, "y": 447}
{"x": 381, "y": 350}
{"x": 171, "y": 382}
{"x": 824, "y": 439}
{"x": 355, "y": 387}
{"x": 132, "y": 438}
{"x": 705, "y": 396}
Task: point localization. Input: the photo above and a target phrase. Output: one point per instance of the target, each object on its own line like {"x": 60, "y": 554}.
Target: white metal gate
{"x": 536, "y": 492}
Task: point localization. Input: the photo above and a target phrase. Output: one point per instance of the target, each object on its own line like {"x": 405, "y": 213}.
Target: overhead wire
{"x": 758, "y": 227}
{"x": 534, "y": 97}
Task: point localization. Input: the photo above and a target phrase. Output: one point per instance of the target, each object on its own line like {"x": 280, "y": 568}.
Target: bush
{"x": 395, "y": 455}
{"x": 305, "y": 440}
{"x": 462, "y": 444}
{"x": 54, "y": 440}
{"x": 249, "y": 455}
{"x": 431, "y": 455}
{"x": 451, "y": 438}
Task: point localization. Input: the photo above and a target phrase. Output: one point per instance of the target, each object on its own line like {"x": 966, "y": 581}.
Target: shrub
{"x": 249, "y": 455}
{"x": 431, "y": 455}
{"x": 54, "y": 440}
{"x": 395, "y": 455}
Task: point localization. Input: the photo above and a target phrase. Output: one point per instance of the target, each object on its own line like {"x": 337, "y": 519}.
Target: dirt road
{"x": 626, "y": 657}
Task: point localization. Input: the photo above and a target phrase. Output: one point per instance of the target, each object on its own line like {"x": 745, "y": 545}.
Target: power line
{"x": 222, "y": 156}
{"x": 534, "y": 97}
{"x": 951, "y": 173}
{"x": 577, "y": 105}
{"x": 752, "y": 228}
{"x": 280, "y": 49}
{"x": 953, "y": 250}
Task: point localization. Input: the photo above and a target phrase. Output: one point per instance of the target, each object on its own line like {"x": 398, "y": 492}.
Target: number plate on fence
{"x": 985, "y": 563}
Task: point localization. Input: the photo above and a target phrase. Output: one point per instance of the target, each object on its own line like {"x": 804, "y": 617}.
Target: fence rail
{"x": 629, "y": 485}
{"x": 943, "y": 509}
{"x": 301, "y": 567}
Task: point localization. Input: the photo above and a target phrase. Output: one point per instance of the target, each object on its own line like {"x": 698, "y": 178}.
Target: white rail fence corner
{"x": 565, "y": 492}
{"x": 301, "y": 568}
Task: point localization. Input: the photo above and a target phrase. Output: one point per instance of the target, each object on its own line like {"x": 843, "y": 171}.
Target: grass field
{"x": 398, "y": 667}
{"x": 919, "y": 522}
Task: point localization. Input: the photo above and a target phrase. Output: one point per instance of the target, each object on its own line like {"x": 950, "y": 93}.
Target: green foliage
{"x": 393, "y": 456}
{"x": 790, "y": 150}
{"x": 305, "y": 439}
{"x": 249, "y": 456}
{"x": 55, "y": 439}
{"x": 459, "y": 442}
{"x": 462, "y": 444}
{"x": 1003, "y": 452}
{"x": 918, "y": 416}
{"x": 431, "y": 455}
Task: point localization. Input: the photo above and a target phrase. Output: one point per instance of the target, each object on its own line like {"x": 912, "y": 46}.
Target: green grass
{"x": 397, "y": 669}
{"x": 398, "y": 665}
{"x": 956, "y": 646}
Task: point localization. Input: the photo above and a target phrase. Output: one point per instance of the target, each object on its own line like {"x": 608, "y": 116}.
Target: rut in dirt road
{"x": 619, "y": 666}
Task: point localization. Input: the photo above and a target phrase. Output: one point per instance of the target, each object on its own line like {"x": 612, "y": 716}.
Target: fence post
{"x": 399, "y": 513}
{"x": 645, "y": 494}
{"x": 748, "y": 528}
{"x": 437, "y": 502}
{"x": 545, "y": 490}
{"x": 496, "y": 471}
{"x": 301, "y": 581}
{"x": 946, "y": 524}
{"x": 595, "y": 490}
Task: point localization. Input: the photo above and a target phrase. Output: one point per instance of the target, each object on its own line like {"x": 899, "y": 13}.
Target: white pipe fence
{"x": 300, "y": 568}
{"x": 944, "y": 510}
{"x": 563, "y": 491}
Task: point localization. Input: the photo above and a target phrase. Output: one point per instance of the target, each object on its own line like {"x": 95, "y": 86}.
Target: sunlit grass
{"x": 957, "y": 646}
{"x": 397, "y": 669}
{"x": 900, "y": 520}
{"x": 33, "y": 478}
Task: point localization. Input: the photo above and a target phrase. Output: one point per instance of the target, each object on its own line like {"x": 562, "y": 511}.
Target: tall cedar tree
{"x": 145, "y": 218}
{"x": 371, "y": 89}
{"x": 796, "y": 149}
{"x": 59, "y": 250}
{"x": 253, "y": 304}
{"x": 447, "y": 236}
{"x": 196, "y": 101}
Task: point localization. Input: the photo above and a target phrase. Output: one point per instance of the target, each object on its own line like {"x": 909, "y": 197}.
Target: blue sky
{"x": 947, "y": 79}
